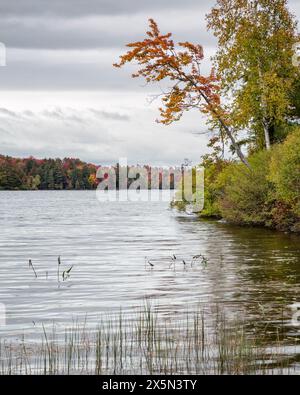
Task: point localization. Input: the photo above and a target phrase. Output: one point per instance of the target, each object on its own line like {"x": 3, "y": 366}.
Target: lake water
{"x": 252, "y": 273}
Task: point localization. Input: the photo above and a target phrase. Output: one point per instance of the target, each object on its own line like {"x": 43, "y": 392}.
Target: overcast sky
{"x": 60, "y": 95}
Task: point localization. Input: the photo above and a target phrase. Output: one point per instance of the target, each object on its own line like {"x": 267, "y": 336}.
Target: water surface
{"x": 251, "y": 272}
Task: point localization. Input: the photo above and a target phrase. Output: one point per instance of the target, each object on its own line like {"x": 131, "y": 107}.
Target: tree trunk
{"x": 229, "y": 133}
{"x": 266, "y": 128}
{"x": 267, "y": 137}
{"x": 237, "y": 147}
{"x": 264, "y": 110}
{"x": 224, "y": 126}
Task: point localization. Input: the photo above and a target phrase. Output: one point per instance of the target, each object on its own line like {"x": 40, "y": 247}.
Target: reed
{"x": 142, "y": 343}
{"x": 32, "y": 267}
{"x": 58, "y": 266}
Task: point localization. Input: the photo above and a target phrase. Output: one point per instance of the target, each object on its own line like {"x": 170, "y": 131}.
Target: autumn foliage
{"x": 70, "y": 173}
{"x": 32, "y": 174}
{"x": 158, "y": 58}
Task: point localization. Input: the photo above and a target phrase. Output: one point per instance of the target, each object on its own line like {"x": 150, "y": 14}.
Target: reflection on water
{"x": 251, "y": 272}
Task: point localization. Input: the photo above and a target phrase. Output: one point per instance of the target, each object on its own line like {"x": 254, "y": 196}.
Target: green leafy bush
{"x": 212, "y": 190}
{"x": 267, "y": 195}
{"x": 285, "y": 171}
{"x": 213, "y": 187}
{"x": 247, "y": 196}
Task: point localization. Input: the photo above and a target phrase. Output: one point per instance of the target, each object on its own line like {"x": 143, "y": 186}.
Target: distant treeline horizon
{"x": 62, "y": 174}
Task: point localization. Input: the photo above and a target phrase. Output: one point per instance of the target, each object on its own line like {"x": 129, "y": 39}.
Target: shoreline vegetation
{"x": 268, "y": 195}
{"x": 141, "y": 343}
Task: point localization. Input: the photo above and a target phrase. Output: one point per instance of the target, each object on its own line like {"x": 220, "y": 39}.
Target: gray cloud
{"x": 59, "y": 83}
{"x": 71, "y": 8}
{"x": 82, "y": 116}
{"x": 28, "y": 113}
{"x": 77, "y": 52}
{"x": 60, "y": 115}
{"x": 110, "y": 115}
{"x": 97, "y": 134}
{"x": 72, "y": 44}
{"x": 100, "y": 31}
{"x": 5, "y": 111}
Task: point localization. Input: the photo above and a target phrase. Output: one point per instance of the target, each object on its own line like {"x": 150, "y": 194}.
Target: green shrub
{"x": 285, "y": 171}
{"x": 267, "y": 195}
{"x": 213, "y": 189}
{"x": 247, "y": 195}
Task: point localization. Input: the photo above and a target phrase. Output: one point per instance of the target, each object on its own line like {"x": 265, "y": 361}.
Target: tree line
{"x": 69, "y": 173}
{"x": 32, "y": 174}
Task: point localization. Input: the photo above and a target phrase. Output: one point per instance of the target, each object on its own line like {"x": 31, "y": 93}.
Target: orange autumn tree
{"x": 160, "y": 59}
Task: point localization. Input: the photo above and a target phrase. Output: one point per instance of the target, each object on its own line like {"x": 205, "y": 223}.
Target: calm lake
{"x": 252, "y": 273}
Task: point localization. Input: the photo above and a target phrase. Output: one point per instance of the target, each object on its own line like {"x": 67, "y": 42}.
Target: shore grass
{"x": 141, "y": 343}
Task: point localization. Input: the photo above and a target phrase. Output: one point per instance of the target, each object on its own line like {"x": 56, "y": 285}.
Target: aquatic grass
{"x": 32, "y": 267}
{"x": 58, "y": 266}
{"x": 142, "y": 342}
{"x": 66, "y": 273}
{"x": 173, "y": 259}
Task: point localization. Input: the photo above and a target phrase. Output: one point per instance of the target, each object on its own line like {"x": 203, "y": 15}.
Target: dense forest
{"x": 69, "y": 173}
{"x": 32, "y": 174}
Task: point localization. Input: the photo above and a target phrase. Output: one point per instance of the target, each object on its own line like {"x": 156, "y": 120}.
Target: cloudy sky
{"x": 60, "y": 95}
